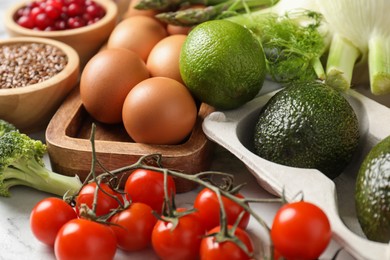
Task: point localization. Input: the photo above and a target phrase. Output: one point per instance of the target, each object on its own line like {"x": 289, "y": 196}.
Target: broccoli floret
{"x": 21, "y": 163}
{"x": 6, "y": 127}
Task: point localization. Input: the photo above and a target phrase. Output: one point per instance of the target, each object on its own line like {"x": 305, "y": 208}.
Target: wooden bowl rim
{"x": 109, "y": 6}
{"x": 72, "y": 65}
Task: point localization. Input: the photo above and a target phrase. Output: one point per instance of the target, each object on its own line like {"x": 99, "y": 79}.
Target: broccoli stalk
{"x": 21, "y": 163}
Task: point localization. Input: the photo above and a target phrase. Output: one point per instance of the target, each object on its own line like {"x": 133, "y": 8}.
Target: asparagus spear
{"x": 166, "y": 4}
{"x": 194, "y": 16}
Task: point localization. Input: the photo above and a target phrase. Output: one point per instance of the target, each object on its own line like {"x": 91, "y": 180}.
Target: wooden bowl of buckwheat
{"x": 36, "y": 74}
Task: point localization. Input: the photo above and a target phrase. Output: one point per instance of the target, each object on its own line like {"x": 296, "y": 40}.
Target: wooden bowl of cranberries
{"x": 84, "y": 25}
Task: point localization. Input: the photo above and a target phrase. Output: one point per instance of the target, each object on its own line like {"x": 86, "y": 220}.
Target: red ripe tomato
{"x": 207, "y": 204}
{"x": 147, "y": 186}
{"x": 180, "y": 242}
{"x": 210, "y": 249}
{"x": 85, "y": 239}
{"x": 48, "y": 216}
{"x": 300, "y": 230}
{"x": 105, "y": 203}
{"x": 133, "y": 227}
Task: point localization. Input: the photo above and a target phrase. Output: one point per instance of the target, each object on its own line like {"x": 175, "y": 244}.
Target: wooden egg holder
{"x": 70, "y": 153}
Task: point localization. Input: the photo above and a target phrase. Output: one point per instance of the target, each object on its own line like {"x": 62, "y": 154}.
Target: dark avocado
{"x": 372, "y": 196}
{"x": 308, "y": 125}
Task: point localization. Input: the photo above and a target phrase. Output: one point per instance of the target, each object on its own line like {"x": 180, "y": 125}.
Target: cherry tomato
{"x": 105, "y": 203}
{"x": 133, "y": 227}
{"x": 48, "y": 216}
{"x": 85, "y": 239}
{"x": 207, "y": 204}
{"x": 147, "y": 186}
{"x": 210, "y": 249}
{"x": 180, "y": 242}
{"x": 300, "y": 230}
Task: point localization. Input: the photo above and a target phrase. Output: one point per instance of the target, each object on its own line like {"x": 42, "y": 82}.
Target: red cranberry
{"x": 52, "y": 12}
{"x": 93, "y": 10}
{"x": 55, "y": 3}
{"x": 34, "y": 12}
{"x": 86, "y": 17}
{"x": 75, "y": 9}
{"x": 79, "y": 2}
{"x": 21, "y": 12}
{"x": 42, "y": 21}
{"x": 60, "y": 25}
{"x": 75, "y": 22}
{"x": 42, "y": 5}
{"x": 26, "y": 22}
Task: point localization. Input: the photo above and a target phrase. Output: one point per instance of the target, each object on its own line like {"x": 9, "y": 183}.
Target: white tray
{"x": 233, "y": 130}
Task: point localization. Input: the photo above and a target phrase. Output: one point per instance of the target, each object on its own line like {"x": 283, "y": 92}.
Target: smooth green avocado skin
{"x": 372, "y": 196}
{"x": 308, "y": 125}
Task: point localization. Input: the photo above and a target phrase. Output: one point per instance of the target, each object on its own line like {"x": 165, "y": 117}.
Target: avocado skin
{"x": 308, "y": 125}
{"x": 372, "y": 194}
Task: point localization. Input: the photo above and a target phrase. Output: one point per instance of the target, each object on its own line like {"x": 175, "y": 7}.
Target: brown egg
{"x": 107, "y": 79}
{"x": 160, "y": 111}
{"x": 163, "y": 60}
{"x": 177, "y": 29}
{"x": 137, "y": 33}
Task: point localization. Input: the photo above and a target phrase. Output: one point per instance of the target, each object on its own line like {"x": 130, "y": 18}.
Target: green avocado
{"x": 372, "y": 196}
{"x": 308, "y": 125}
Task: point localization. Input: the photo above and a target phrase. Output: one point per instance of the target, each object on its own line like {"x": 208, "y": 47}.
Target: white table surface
{"x": 17, "y": 241}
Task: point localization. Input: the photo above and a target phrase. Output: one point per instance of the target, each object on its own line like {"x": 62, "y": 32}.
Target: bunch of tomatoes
{"x": 102, "y": 219}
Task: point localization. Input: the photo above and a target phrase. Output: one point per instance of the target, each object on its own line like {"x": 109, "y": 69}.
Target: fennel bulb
{"x": 361, "y": 33}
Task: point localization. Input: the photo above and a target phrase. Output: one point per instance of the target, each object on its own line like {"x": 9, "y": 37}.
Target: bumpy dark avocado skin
{"x": 308, "y": 125}
{"x": 372, "y": 194}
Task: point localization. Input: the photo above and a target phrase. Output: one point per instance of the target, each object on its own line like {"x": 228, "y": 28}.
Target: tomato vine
{"x": 221, "y": 183}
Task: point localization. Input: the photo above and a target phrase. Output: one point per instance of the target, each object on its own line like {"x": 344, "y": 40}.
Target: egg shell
{"x": 107, "y": 79}
{"x": 159, "y": 111}
{"x": 163, "y": 60}
{"x": 137, "y": 33}
{"x": 177, "y": 29}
